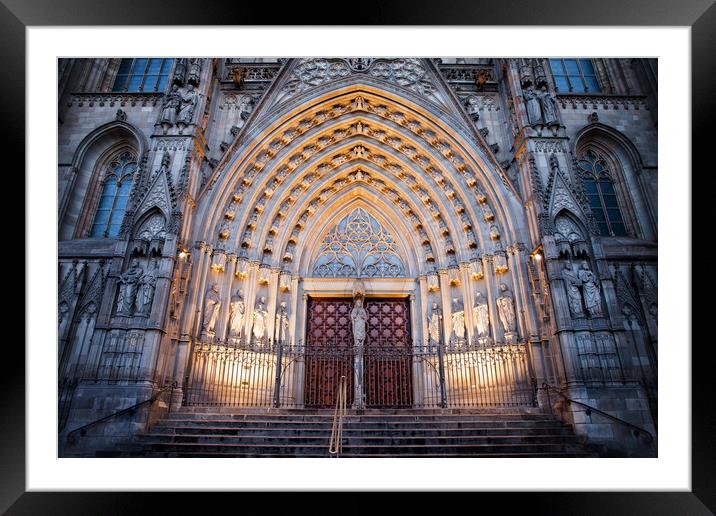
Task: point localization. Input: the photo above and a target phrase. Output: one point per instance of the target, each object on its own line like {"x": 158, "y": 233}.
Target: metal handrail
{"x": 82, "y": 430}
{"x": 335, "y": 444}
{"x": 636, "y": 429}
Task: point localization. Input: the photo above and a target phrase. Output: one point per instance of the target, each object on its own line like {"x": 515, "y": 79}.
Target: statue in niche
{"x": 473, "y": 108}
{"x": 434, "y": 323}
{"x": 260, "y": 322}
{"x": 481, "y": 314}
{"x": 172, "y": 100}
{"x": 194, "y": 71}
{"x": 237, "y": 312}
{"x": 281, "y": 330}
{"x": 180, "y": 71}
{"x": 359, "y": 316}
{"x": 630, "y": 320}
{"x": 128, "y": 288}
{"x": 458, "y": 319}
{"x": 212, "y": 303}
{"x": 188, "y": 103}
{"x": 506, "y": 309}
{"x": 145, "y": 290}
{"x": 591, "y": 291}
{"x": 548, "y": 106}
{"x": 534, "y": 110}
{"x": 572, "y": 284}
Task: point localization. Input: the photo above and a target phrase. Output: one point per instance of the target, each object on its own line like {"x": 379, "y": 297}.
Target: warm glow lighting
{"x": 182, "y": 254}
{"x": 538, "y": 256}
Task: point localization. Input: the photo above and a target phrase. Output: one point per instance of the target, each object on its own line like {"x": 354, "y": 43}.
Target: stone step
{"x": 360, "y": 420}
{"x": 200, "y": 454}
{"x": 366, "y": 412}
{"x": 375, "y": 449}
{"x": 361, "y": 431}
{"x": 300, "y": 440}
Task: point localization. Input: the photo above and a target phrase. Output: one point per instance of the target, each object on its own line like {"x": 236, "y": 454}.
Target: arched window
{"x": 115, "y": 193}
{"x": 142, "y": 74}
{"x": 599, "y": 185}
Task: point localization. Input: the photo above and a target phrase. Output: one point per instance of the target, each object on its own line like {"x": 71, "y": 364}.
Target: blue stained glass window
{"x": 602, "y": 198}
{"x": 143, "y": 74}
{"x": 114, "y": 197}
{"x": 574, "y": 76}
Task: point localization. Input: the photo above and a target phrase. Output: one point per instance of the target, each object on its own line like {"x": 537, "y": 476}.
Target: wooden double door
{"x": 330, "y": 353}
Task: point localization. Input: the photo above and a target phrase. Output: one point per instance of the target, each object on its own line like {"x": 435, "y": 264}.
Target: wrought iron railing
{"x": 335, "y": 443}
{"x": 418, "y": 376}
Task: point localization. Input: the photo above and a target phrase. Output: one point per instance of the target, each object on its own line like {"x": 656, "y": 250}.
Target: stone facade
{"x": 435, "y": 179}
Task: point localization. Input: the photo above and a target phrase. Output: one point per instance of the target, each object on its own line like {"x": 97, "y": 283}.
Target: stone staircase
{"x": 220, "y": 432}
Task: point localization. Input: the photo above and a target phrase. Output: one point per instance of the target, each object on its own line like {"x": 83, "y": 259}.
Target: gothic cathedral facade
{"x": 435, "y": 233}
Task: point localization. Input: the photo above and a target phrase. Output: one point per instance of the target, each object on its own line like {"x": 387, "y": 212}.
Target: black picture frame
{"x": 700, "y": 15}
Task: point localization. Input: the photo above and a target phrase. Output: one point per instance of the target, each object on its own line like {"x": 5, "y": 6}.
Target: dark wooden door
{"x": 329, "y": 350}
{"x": 387, "y": 360}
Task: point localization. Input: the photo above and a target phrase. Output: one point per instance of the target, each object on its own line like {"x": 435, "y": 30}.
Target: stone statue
{"x": 472, "y": 108}
{"x": 506, "y": 309}
{"x": 548, "y": 106}
{"x": 481, "y": 314}
{"x": 458, "y": 319}
{"x": 145, "y": 290}
{"x": 434, "y": 323}
{"x": 534, "y": 110}
{"x": 212, "y": 303}
{"x": 281, "y": 330}
{"x": 128, "y": 288}
{"x": 572, "y": 284}
{"x": 172, "y": 101}
{"x": 260, "y": 321}
{"x": 359, "y": 317}
{"x": 188, "y": 103}
{"x": 180, "y": 71}
{"x": 194, "y": 71}
{"x": 237, "y": 312}
{"x": 591, "y": 291}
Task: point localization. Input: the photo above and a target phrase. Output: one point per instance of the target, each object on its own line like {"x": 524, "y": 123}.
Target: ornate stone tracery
{"x": 359, "y": 246}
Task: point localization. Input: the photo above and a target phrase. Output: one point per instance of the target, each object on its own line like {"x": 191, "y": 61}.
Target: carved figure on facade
{"x": 458, "y": 319}
{"x": 194, "y": 71}
{"x": 180, "y": 71}
{"x": 128, "y": 284}
{"x": 172, "y": 101}
{"x": 189, "y": 100}
{"x": 359, "y": 316}
{"x": 481, "y": 314}
{"x": 145, "y": 290}
{"x": 572, "y": 283}
{"x": 237, "y": 313}
{"x": 281, "y": 326}
{"x": 434, "y": 320}
{"x": 506, "y": 310}
{"x": 212, "y": 303}
{"x": 260, "y": 319}
{"x": 591, "y": 291}
{"x": 548, "y": 107}
{"x": 534, "y": 109}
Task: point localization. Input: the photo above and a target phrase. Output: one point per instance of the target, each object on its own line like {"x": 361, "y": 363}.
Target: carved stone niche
{"x": 454, "y": 276}
{"x": 242, "y": 267}
{"x": 264, "y": 274}
{"x": 218, "y": 260}
{"x": 285, "y": 281}
{"x": 433, "y": 283}
{"x": 499, "y": 262}
{"x": 150, "y": 235}
{"x": 569, "y": 238}
{"x": 476, "y": 269}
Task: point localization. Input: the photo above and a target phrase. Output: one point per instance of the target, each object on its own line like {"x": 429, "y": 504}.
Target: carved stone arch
{"x": 149, "y": 233}
{"x": 418, "y": 204}
{"x": 309, "y": 246}
{"x": 284, "y": 175}
{"x": 257, "y": 152}
{"x": 429, "y": 231}
{"x": 570, "y": 235}
{"x": 85, "y": 184}
{"x": 626, "y": 167}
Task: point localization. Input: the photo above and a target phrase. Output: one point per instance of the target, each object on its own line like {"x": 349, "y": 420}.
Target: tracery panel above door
{"x": 359, "y": 246}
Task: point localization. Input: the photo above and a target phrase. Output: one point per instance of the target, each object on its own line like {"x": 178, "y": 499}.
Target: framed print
{"x": 437, "y": 264}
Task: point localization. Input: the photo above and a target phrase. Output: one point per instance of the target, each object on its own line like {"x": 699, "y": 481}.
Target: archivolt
{"x": 370, "y": 111}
